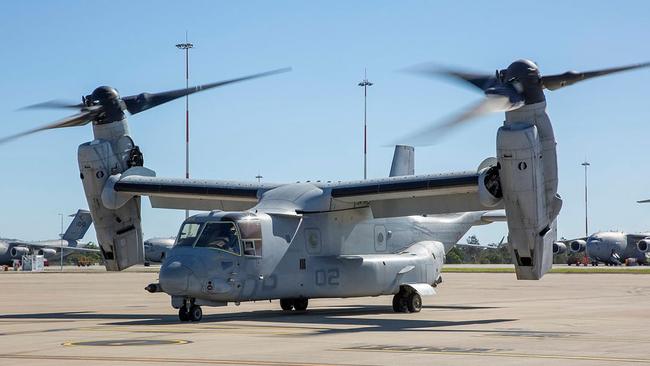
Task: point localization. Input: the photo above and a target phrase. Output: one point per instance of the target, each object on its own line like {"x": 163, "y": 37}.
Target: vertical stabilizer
{"x": 403, "y": 161}
{"x": 79, "y": 225}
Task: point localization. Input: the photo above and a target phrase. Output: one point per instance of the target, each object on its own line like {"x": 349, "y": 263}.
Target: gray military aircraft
{"x": 11, "y": 249}
{"x": 155, "y": 249}
{"x": 306, "y": 240}
{"x": 609, "y": 247}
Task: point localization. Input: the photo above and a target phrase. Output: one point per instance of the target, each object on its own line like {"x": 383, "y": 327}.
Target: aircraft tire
{"x": 301, "y": 304}
{"x": 183, "y": 314}
{"x": 286, "y": 304}
{"x": 399, "y": 303}
{"x": 195, "y": 313}
{"x": 414, "y": 302}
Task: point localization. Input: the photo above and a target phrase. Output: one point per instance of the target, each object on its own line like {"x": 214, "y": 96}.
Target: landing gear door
{"x": 380, "y": 238}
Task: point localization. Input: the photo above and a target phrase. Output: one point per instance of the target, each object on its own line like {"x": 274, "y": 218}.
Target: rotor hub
{"x": 105, "y": 93}
{"x": 524, "y": 76}
{"x": 109, "y": 98}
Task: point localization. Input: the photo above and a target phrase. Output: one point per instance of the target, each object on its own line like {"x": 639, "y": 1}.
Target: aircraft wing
{"x": 643, "y": 201}
{"x": 51, "y": 245}
{"x": 412, "y": 195}
{"x": 193, "y": 194}
{"x": 568, "y": 241}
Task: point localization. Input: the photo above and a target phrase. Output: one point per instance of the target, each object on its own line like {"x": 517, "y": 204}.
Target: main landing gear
{"x": 191, "y": 314}
{"x": 407, "y": 302}
{"x": 299, "y": 304}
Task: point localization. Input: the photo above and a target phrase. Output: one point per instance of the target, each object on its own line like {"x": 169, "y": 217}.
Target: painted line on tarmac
{"x": 456, "y": 351}
{"x": 159, "y": 360}
{"x": 128, "y": 342}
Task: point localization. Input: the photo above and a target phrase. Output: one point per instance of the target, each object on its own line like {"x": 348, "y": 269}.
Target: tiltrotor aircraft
{"x": 11, "y": 249}
{"x": 307, "y": 240}
{"x": 609, "y": 247}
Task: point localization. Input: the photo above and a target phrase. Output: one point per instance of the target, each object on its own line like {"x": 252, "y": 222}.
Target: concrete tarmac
{"x": 476, "y": 318}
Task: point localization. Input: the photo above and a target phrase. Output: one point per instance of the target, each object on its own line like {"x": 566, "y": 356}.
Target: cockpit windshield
{"x": 187, "y": 235}
{"x": 220, "y": 235}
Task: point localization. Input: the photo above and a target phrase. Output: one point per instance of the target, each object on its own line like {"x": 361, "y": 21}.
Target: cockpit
{"x": 233, "y": 233}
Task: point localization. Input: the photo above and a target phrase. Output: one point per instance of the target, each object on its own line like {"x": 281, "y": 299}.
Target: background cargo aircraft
{"x": 608, "y": 247}
{"x": 155, "y": 249}
{"x": 11, "y": 249}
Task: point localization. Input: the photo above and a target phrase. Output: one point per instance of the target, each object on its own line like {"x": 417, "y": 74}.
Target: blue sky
{"x": 308, "y": 124}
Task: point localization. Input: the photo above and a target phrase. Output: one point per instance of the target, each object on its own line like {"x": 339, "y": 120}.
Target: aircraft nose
{"x": 175, "y": 277}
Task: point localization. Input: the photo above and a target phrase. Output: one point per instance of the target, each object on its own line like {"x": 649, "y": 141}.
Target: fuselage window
{"x": 251, "y": 234}
{"x": 220, "y": 235}
{"x": 187, "y": 235}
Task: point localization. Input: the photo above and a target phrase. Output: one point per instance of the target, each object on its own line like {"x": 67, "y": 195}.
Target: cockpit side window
{"x": 251, "y": 234}
{"x": 187, "y": 235}
{"x": 220, "y": 235}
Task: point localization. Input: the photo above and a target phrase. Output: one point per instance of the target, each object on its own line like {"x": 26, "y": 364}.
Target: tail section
{"x": 79, "y": 225}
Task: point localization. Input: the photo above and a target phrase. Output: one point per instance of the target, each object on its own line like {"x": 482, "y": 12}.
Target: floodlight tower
{"x": 61, "y": 242}
{"x": 586, "y": 164}
{"x": 365, "y": 84}
{"x": 186, "y": 46}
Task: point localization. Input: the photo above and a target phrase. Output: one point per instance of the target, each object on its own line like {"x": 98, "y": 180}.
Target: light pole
{"x": 61, "y": 241}
{"x": 259, "y": 177}
{"x": 586, "y": 164}
{"x": 186, "y": 46}
{"x": 365, "y": 84}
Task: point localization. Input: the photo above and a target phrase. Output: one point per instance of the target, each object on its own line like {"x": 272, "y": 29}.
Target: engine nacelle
{"x": 528, "y": 174}
{"x": 489, "y": 187}
{"x": 118, "y": 228}
{"x": 643, "y": 245}
{"x": 18, "y": 252}
{"x": 559, "y": 248}
{"x": 46, "y": 252}
{"x": 577, "y": 246}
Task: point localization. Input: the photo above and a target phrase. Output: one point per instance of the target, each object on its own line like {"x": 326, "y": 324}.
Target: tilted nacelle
{"x": 118, "y": 228}
{"x": 577, "y": 246}
{"x": 559, "y": 248}
{"x": 643, "y": 245}
{"x": 528, "y": 175}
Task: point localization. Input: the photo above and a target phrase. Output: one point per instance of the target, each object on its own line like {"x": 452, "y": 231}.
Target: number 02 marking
{"x": 327, "y": 277}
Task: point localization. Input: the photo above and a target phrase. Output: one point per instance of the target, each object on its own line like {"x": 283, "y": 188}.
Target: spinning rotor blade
{"x": 428, "y": 135}
{"x": 553, "y": 82}
{"x": 74, "y": 120}
{"x": 508, "y": 89}
{"x": 53, "y": 104}
{"x": 142, "y": 102}
{"x": 481, "y": 81}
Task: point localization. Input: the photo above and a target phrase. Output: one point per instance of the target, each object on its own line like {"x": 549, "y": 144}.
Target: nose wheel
{"x": 193, "y": 314}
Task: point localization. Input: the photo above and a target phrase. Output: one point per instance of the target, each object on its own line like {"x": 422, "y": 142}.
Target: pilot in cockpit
{"x": 220, "y": 235}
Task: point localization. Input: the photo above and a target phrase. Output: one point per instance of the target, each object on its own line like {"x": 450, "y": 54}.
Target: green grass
{"x": 628, "y": 270}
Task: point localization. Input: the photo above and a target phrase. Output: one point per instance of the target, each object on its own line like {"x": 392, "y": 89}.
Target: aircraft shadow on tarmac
{"x": 341, "y": 319}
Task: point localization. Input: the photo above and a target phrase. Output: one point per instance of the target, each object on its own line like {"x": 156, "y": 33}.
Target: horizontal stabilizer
{"x": 494, "y": 216}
